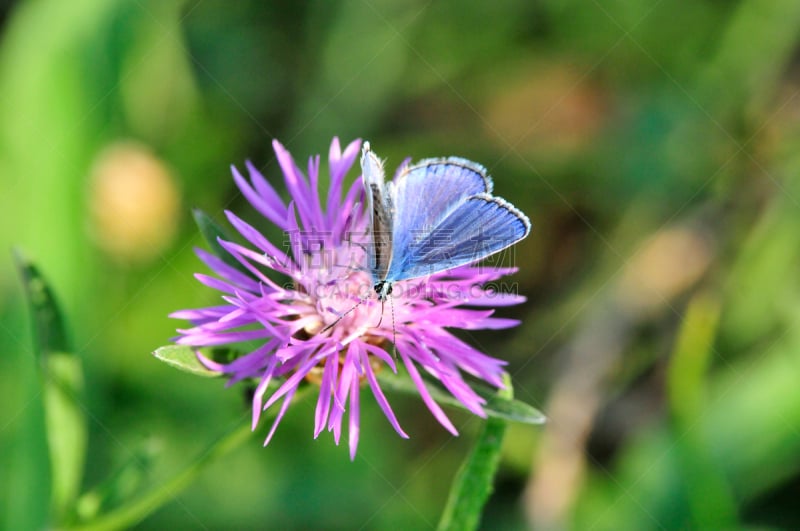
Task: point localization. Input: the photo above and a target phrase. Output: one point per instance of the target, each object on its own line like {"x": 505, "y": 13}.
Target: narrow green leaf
{"x": 122, "y": 484}
{"x": 473, "y": 483}
{"x": 497, "y": 405}
{"x": 211, "y": 230}
{"x": 67, "y": 431}
{"x": 757, "y": 44}
{"x": 136, "y": 510}
{"x": 185, "y": 359}
{"x": 62, "y": 388}
{"x": 712, "y": 503}
{"x": 691, "y": 357}
{"x": 48, "y": 324}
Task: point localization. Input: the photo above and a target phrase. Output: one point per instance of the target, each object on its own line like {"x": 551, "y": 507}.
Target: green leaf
{"x": 712, "y": 503}
{"x": 122, "y": 484}
{"x": 691, "y": 357}
{"x": 757, "y": 44}
{"x": 66, "y": 425}
{"x": 48, "y": 324}
{"x": 185, "y": 359}
{"x": 136, "y": 510}
{"x": 497, "y": 405}
{"x": 62, "y": 389}
{"x": 211, "y": 230}
{"x": 473, "y": 483}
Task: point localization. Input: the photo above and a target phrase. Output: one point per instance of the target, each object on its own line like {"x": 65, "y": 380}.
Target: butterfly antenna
{"x": 383, "y": 301}
{"x": 394, "y": 330}
{"x": 345, "y": 314}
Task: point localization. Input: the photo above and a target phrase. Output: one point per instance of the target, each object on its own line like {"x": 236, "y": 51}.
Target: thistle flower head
{"x": 325, "y": 324}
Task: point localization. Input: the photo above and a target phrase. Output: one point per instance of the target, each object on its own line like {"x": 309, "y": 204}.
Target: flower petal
{"x": 258, "y": 395}
{"x": 266, "y": 190}
{"x": 284, "y": 407}
{"x": 296, "y": 184}
{"x": 269, "y": 205}
{"x": 353, "y": 427}
{"x": 326, "y": 387}
{"x": 316, "y": 207}
{"x": 406, "y": 352}
{"x": 339, "y": 164}
{"x": 377, "y": 392}
{"x": 218, "y": 266}
{"x": 257, "y": 239}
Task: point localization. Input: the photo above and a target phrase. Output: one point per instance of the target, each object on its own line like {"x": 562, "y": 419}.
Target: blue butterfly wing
{"x": 381, "y": 211}
{"x": 479, "y": 226}
{"x": 425, "y": 194}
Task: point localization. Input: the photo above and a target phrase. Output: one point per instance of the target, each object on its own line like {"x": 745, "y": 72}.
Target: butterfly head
{"x": 383, "y": 289}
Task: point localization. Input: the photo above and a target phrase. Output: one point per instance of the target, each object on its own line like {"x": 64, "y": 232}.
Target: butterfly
{"x": 437, "y": 214}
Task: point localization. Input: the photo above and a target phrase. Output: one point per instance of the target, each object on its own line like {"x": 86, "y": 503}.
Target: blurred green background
{"x": 655, "y": 145}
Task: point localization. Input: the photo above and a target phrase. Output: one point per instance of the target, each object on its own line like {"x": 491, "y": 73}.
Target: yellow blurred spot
{"x": 668, "y": 264}
{"x": 134, "y": 203}
{"x": 551, "y": 109}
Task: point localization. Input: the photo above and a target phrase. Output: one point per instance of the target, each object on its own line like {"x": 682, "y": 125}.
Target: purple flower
{"x": 326, "y": 325}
